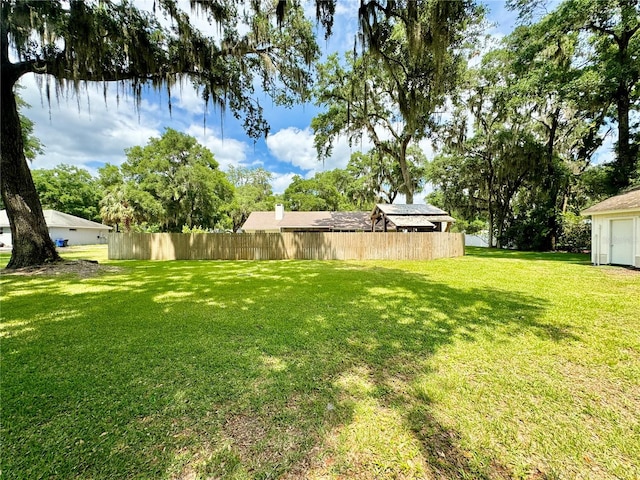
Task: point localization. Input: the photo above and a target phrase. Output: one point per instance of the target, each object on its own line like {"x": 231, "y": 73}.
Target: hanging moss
{"x": 105, "y": 42}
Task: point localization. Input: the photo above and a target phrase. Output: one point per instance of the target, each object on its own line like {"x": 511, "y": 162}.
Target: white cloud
{"x": 185, "y": 96}
{"x": 79, "y": 129}
{"x": 281, "y": 181}
{"x": 294, "y": 146}
{"x": 227, "y": 151}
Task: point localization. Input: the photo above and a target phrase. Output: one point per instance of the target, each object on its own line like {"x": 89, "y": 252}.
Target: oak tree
{"x": 392, "y": 92}
{"x": 174, "y": 181}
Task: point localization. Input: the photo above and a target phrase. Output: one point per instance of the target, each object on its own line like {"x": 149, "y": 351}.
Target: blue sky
{"x": 85, "y": 131}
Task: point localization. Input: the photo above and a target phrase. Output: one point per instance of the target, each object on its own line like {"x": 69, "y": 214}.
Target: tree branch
{"x": 606, "y": 31}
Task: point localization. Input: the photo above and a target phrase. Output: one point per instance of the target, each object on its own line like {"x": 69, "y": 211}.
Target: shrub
{"x": 575, "y": 233}
{"x": 194, "y": 229}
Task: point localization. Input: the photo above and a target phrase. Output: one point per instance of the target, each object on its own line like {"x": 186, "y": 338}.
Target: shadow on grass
{"x": 217, "y": 369}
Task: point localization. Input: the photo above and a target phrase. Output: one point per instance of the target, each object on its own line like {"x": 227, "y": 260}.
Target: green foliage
{"x": 482, "y": 177}
{"x": 539, "y": 102}
{"x": 605, "y": 45}
{"x": 528, "y": 230}
{"x": 469, "y": 227}
{"x": 371, "y": 180}
{"x": 418, "y": 46}
{"x": 353, "y": 188}
{"x": 175, "y": 181}
{"x": 576, "y": 233}
{"x": 253, "y": 192}
{"x": 145, "y": 227}
{"x": 195, "y": 229}
{"x": 109, "y": 176}
{"x": 68, "y": 189}
{"x": 319, "y": 193}
{"x": 376, "y": 177}
{"x": 457, "y": 187}
{"x": 115, "y": 208}
{"x": 391, "y": 93}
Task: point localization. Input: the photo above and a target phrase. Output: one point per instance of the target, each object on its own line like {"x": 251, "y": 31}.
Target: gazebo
{"x": 410, "y": 218}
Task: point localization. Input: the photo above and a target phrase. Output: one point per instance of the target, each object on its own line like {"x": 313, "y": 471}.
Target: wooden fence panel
{"x": 288, "y": 245}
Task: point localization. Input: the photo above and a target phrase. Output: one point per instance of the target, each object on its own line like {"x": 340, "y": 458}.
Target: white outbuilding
{"x": 64, "y": 229}
{"x": 615, "y": 230}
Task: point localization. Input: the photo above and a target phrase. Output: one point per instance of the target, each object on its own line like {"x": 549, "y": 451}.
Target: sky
{"x": 86, "y": 131}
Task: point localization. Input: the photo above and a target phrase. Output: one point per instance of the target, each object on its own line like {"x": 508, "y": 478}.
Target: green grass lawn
{"x": 493, "y": 365}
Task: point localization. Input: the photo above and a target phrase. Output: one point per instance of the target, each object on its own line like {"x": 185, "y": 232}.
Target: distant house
{"x": 281, "y": 221}
{"x": 615, "y": 230}
{"x": 410, "y": 218}
{"x": 415, "y": 218}
{"x": 62, "y": 226}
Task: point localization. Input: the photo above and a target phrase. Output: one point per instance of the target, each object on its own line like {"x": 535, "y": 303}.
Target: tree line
{"x": 519, "y": 151}
{"x": 516, "y": 125}
{"x": 174, "y": 184}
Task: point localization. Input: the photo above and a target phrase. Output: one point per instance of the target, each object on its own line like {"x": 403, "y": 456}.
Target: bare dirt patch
{"x": 263, "y": 444}
{"x": 81, "y": 268}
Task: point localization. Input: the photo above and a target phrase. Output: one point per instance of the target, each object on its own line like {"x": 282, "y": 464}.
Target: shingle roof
{"x": 415, "y": 209}
{"x": 441, "y": 218}
{"x": 626, "y": 201}
{"x": 410, "y": 220}
{"x": 311, "y": 220}
{"x": 401, "y": 215}
{"x": 53, "y": 218}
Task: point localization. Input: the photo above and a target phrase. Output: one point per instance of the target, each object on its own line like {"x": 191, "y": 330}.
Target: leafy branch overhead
{"x": 107, "y": 41}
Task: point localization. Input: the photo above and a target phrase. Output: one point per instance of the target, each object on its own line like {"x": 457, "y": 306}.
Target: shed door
{"x": 622, "y": 242}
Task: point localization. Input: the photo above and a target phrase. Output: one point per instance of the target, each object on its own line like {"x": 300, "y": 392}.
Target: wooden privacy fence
{"x": 279, "y": 246}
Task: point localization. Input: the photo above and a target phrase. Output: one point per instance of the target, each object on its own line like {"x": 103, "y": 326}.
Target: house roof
{"x": 310, "y": 220}
{"x": 415, "y": 209}
{"x": 623, "y": 202}
{"x": 400, "y": 215}
{"x": 441, "y": 218}
{"x": 56, "y": 219}
{"x": 410, "y": 220}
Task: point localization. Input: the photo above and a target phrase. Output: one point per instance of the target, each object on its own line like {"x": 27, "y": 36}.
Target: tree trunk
{"x": 491, "y": 222}
{"x": 490, "y": 204}
{"x": 406, "y": 175}
{"x": 30, "y": 235}
{"x": 627, "y": 157}
{"x": 625, "y": 164}
{"x": 498, "y": 218}
{"x": 553, "y": 187}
